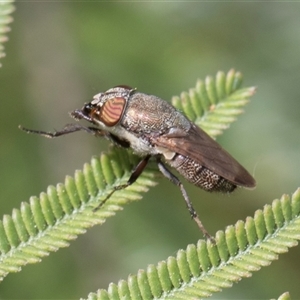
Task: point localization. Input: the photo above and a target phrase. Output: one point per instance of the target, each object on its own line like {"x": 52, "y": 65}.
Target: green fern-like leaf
{"x": 6, "y": 8}
{"x": 60, "y": 214}
{"x": 285, "y": 296}
{"x": 215, "y": 103}
{"x": 205, "y": 268}
{"x": 50, "y": 221}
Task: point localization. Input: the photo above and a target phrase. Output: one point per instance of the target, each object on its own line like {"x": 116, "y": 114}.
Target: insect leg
{"x": 69, "y": 128}
{"x": 190, "y": 207}
{"x": 137, "y": 171}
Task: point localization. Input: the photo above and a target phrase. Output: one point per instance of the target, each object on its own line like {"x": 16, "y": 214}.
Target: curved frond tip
{"x": 214, "y": 103}
{"x": 205, "y": 268}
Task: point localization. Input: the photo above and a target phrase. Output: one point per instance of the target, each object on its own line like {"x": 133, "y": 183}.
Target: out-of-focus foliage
{"x": 6, "y": 8}
{"x": 62, "y": 53}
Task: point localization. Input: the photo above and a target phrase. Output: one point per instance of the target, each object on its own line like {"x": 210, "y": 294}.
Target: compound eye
{"x": 112, "y": 111}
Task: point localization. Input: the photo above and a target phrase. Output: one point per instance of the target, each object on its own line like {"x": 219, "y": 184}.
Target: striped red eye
{"x": 112, "y": 111}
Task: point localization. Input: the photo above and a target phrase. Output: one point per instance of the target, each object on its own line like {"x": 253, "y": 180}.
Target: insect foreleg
{"x": 69, "y": 128}
{"x": 137, "y": 171}
{"x": 188, "y": 202}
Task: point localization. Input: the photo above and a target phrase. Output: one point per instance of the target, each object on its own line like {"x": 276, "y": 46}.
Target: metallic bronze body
{"x": 199, "y": 158}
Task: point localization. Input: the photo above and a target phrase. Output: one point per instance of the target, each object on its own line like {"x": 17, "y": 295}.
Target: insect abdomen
{"x": 200, "y": 175}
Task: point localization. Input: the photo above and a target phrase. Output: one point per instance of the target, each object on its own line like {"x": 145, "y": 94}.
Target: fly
{"x": 152, "y": 127}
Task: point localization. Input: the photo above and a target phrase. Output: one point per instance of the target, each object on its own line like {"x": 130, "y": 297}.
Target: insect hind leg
{"x": 188, "y": 202}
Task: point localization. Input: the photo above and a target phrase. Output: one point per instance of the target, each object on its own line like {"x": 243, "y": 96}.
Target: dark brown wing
{"x": 199, "y": 146}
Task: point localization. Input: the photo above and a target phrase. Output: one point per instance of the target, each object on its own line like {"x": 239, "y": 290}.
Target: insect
{"x": 154, "y": 128}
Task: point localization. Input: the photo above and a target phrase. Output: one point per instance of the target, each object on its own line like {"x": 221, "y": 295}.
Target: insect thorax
{"x": 148, "y": 114}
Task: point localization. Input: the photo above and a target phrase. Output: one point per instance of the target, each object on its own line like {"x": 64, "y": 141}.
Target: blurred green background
{"x": 61, "y": 54}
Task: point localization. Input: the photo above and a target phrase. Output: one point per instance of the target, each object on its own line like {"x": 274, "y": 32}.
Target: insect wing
{"x": 199, "y": 146}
